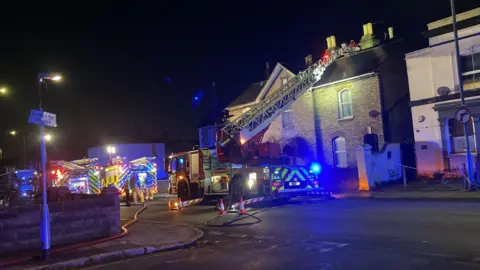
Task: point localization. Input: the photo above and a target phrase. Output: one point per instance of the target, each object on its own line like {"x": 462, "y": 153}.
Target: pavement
{"x": 144, "y": 237}
{"x": 426, "y": 190}
{"x": 316, "y": 234}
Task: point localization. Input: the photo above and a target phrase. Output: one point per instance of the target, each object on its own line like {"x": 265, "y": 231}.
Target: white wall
{"x": 428, "y": 70}
{"x": 377, "y": 168}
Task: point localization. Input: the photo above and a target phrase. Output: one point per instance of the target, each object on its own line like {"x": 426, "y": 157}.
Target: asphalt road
{"x": 340, "y": 234}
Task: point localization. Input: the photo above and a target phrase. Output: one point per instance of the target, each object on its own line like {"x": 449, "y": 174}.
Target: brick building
{"x": 365, "y": 92}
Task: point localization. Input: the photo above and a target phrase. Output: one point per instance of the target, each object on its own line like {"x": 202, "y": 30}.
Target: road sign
{"x": 50, "y": 119}
{"x": 463, "y": 115}
{"x": 42, "y": 118}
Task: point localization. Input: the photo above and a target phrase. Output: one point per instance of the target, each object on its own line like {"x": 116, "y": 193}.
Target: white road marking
{"x": 237, "y": 235}
{"x": 215, "y": 233}
{"x": 274, "y": 246}
{"x": 334, "y": 244}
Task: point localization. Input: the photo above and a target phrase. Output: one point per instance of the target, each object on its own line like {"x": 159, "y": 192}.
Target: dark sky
{"x": 133, "y": 68}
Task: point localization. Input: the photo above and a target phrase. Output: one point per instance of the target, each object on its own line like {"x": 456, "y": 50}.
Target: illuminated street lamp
{"x": 13, "y": 132}
{"x": 111, "y": 150}
{"x": 48, "y": 137}
{"x": 3, "y": 91}
{"x": 43, "y": 79}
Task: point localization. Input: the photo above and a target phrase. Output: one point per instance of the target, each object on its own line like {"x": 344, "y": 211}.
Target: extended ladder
{"x": 258, "y": 118}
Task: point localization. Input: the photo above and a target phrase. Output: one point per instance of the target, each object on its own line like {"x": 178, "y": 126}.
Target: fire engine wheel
{"x": 236, "y": 187}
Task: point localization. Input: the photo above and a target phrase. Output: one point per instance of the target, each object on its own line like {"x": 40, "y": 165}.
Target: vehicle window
{"x": 181, "y": 163}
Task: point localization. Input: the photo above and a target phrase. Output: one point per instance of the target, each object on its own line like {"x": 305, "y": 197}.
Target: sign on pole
{"x": 42, "y": 118}
{"x": 463, "y": 115}
{"x": 49, "y": 119}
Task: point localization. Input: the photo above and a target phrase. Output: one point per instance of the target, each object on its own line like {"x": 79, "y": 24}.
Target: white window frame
{"x": 341, "y": 104}
{"x": 337, "y": 152}
{"x": 287, "y": 121}
{"x": 473, "y": 72}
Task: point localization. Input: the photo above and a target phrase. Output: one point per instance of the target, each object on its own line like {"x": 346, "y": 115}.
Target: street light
{"x": 3, "y": 91}
{"x": 48, "y": 137}
{"x": 111, "y": 150}
{"x": 45, "y": 222}
{"x": 13, "y": 132}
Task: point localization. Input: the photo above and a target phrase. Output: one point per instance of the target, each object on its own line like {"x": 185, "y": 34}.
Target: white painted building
{"x": 434, "y": 92}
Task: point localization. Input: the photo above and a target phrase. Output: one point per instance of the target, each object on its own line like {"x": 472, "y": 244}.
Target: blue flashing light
{"x": 316, "y": 168}
{"x": 196, "y": 98}
{"x": 181, "y": 160}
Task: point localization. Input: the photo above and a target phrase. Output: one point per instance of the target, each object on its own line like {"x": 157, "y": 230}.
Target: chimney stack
{"x": 390, "y": 33}
{"x": 368, "y": 39}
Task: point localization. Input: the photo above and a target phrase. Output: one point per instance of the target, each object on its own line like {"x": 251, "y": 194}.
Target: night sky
{"x": 133, "y": 69}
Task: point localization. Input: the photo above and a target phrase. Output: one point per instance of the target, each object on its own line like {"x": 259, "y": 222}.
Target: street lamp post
{"x": 462, "y": 95}
{"x": 45, "y": 222}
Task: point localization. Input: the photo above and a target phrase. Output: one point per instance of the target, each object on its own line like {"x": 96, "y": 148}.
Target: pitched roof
{"x": 249, "y": 95}
{"x": 358, "y": 64}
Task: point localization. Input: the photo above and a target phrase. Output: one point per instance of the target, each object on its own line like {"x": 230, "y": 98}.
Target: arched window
{"x": 345, "y": 104}
{"x": 340, "y": 152}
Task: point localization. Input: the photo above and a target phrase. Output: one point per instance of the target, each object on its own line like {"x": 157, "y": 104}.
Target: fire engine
{"x": 198, "y": 173}
{"x": 241, "y": 164}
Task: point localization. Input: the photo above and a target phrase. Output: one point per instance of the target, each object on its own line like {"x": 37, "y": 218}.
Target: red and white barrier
{"x": 249, "y": 201}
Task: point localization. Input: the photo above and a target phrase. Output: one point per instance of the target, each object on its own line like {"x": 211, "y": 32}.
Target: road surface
{"x": 340, "y": 234}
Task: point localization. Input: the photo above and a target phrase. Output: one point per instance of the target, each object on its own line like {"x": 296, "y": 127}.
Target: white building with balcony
{"x": 434, "y": 93}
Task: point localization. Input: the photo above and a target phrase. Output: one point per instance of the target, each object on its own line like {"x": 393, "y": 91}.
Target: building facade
{"x": 361, "y": 98}
{"x": 440, "y": 141}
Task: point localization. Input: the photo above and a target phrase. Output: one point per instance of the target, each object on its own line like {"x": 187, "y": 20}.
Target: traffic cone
{"x": 221, "y": 207}
{"x": 242, "y": 207}
{"x": 180, "y": 204}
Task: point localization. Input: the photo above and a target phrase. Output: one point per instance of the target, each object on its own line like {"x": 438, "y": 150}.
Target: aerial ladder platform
{"x": 257, "y": 119}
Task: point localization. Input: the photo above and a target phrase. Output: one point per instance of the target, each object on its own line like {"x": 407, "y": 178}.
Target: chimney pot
{"x": 370, "y": 28}
{"x": 333, "y": 41}
{"x": 365, "y": 30}
{"x": 390, "y": 33}
{"x": 329, "y": 43}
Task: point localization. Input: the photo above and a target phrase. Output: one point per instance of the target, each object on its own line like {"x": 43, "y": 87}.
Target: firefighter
{"x": 137, "y": 192}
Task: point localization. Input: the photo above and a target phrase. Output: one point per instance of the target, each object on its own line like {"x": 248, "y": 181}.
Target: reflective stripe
{"x": 93, "y": 181}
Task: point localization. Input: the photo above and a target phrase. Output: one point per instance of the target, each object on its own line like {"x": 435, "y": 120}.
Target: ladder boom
{"x": 255, "y": 120}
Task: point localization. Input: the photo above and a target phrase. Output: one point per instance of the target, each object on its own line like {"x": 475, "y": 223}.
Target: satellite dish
{"x": 443, "y": 91}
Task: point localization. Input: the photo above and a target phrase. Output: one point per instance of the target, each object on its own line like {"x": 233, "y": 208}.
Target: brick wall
{"x": 365, "y": 98}
{"x": 79, "y": 220}
{"x": 301, "y": 134}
